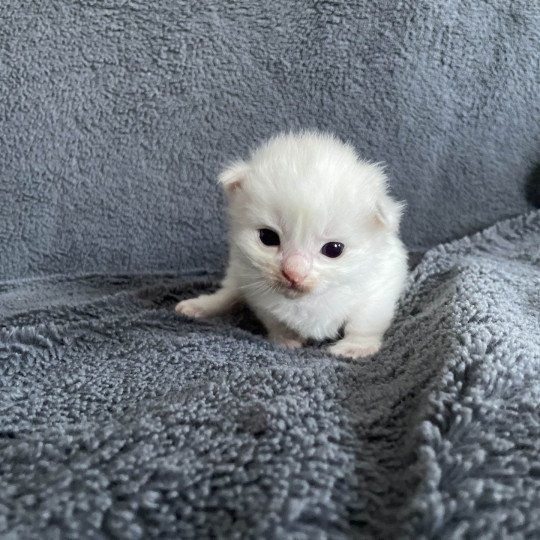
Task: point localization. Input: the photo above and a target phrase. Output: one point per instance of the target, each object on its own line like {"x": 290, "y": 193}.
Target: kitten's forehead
{"x": 302, "y": 210}
{"x": 301, "y": 219}
{"x": 304, "y": 220}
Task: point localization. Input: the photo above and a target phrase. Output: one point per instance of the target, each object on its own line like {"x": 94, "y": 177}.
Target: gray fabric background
{"x": 115, "y": 116}
{"x": 119, "y": 419}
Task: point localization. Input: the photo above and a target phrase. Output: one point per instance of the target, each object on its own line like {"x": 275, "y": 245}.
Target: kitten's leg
{"x": 209, "y": 305}
{"x": 365, "y": 330}
{"x": 279, "y": 333}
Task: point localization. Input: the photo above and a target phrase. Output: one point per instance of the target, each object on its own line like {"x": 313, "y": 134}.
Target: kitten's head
{"x": 306, "y": 214}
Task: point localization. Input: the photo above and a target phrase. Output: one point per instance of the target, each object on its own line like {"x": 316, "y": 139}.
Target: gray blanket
{"x": 116, "y": 115}
{"x": 120, "y": 419}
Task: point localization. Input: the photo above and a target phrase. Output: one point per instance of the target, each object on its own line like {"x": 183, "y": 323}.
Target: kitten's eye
{"x": 332, "y": 249}
{"x": 269, "y": 237}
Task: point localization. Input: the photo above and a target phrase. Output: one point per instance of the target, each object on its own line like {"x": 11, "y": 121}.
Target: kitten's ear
{"x": 388, "y": 213}
{"x": 232, "y": 177}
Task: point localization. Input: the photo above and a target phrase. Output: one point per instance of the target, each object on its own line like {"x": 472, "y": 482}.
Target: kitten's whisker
{"x": 258, "y": 286}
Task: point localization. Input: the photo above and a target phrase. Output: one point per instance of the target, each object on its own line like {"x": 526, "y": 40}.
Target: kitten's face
{"x": 295, "y": 243}
{"x": 303, "y": 216}
{"x": 292, "y": 260}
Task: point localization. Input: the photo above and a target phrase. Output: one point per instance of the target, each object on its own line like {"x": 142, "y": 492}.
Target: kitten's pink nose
{"x": 295, "y": 268}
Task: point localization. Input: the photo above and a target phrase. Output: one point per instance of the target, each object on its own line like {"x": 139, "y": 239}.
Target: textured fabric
{"x": 117, "y": 115}
{"x": 119, "y": 418}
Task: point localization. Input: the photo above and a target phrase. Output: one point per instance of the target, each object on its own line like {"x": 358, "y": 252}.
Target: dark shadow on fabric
{"x": 532, "y": 186}
{"x": 386, "y": 413}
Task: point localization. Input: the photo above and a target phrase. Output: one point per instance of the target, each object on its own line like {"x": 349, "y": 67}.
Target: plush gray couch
{"x": 120, "y": 419}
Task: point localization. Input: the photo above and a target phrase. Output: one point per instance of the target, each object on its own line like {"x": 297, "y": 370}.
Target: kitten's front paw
{"x": 357, "y": 348}
{"x": 287, "y": 339}
{"x": 289, "y": 342}
{"x": 194, "y": 308}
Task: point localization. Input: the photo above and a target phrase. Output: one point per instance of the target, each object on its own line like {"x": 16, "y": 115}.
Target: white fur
{"x": 311, "y": 189}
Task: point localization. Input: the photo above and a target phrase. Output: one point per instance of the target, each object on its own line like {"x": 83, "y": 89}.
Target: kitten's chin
{"x": 290, "y": 292}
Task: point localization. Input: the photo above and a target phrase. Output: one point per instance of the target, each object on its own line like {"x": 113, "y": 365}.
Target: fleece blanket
{"x": 120, "y": 419}
{"x": 116, "y": 116}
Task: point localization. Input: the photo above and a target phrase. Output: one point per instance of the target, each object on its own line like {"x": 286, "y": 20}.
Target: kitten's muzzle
{"x": 295, "y": 268}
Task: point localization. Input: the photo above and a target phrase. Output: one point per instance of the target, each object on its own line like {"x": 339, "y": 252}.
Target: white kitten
{"x": 313, "y": 245}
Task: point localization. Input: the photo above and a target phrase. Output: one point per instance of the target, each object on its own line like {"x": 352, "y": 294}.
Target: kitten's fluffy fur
{"x": 311, "y": 189}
